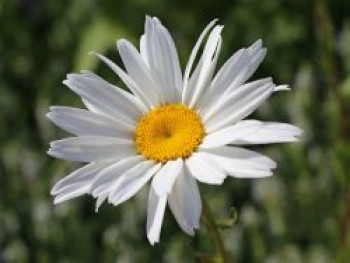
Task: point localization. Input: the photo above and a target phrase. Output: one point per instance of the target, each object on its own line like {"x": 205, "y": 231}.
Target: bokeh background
{"x": 301, "y": 214}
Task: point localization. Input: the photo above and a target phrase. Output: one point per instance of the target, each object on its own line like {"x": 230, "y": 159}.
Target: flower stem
{"x": 211, "y": 225}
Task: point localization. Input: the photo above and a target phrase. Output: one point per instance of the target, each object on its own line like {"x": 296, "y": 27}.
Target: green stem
{"x": 210, "y": 223}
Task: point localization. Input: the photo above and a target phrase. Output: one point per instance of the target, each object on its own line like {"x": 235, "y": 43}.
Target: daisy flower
{"x": 172, "y": 129}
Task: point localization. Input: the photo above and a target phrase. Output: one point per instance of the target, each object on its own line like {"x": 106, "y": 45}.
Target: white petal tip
{"x": 71, "y": 75}
{"x": 53, "y": 153}
{"x": 282, "y": 88}
{"x": 217, "y": 182}
{"x": 296, "y": 134}
{"x": 56, "y": 189}
{"x": 269, "y": 174}
{"x": 153, "y": 240}
{"x": 115, "y": 203}
{"x": 212, "y": 23}
{"x": 259, "y": 42}
{"x": 190, "y": 231}
{"x": 49, "y": 115}
{"x": 54, "y": 108}
{"x": 299, "y": 131}
{"x": 273, "y": 165}
{"x": 58, "y": 200}
{"x": 262, "y": 175}
{"x": 97, "y": 207}
{"x": 94, "y": 193}
{"x": 121, "y": 42}
{"x": 295, "y": 139}
{"x": 156, "y": 19}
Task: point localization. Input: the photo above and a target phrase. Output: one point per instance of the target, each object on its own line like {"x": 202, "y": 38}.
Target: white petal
{"x": 257, "y": 159}
{"x": 185, "y": 202}
{"x": 138, "y": 102}
{"x": 152, "y": 49}
{"x": 205, "y": 169}
{"x": 140, "y": 92}
{"x": 233, "y": 73}
{"x": 83, "y": 122}
{"x": 206, "y": 68}
{"x": 175, "y": 63}
{"x": 193, "y": 57}
{"x": 192, "y": 82}
{"x": 272, "y": 132}
{"x": 107, "y": 98}
{"x": 282, "y": 88}
{"x": 91, "y": 148}
{"x": 253, "y": 132}
{"x": 105, "y": 179}
{"x": 214, "y": 93}
{"x": 241, "y": 106}
{"x": 230, "y": 134}
{"x": 71, "y": 192}
{"x": 83, "y": 175}
{"x": 100, "y": 199}
{"x": 163, "y": 181}
{"x": 237, "y": 71}
{"x": 222, "y": 80}
{"x": 257, "y": 45}
{"x": 230, "y": 102}
{"x": 139, "y": 71}
{"x": 129, "y": 183}
{"x": 155, "y": 215}
{"x": 143, "y": 48}
{"x": 210, "y": 54}
{"x": 242, "y": 163}
{"x": 202, "y": 75}
{"x": 163, "y": 59}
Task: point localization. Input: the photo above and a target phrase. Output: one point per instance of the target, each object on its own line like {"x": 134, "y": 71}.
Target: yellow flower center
{"x": 169, "y": 132}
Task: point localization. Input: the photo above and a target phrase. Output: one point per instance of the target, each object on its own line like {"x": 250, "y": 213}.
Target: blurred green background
{"x": 301, "y": 214}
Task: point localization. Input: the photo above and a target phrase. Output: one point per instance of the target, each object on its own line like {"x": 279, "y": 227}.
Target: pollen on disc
{"x": 169, "y": 132}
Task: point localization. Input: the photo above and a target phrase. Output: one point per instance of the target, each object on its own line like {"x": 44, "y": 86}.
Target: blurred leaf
{"x": 345, "y": 89}
{"x": 230, "y": 220}
{"x": 210, "y": 259}
{"x": 100, "y": 36}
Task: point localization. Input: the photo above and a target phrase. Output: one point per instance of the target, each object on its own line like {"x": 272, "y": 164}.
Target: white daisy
{"x": 171, "y": 129}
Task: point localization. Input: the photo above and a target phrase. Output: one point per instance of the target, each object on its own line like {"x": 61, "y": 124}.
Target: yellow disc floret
{"x": 169, "y": 132}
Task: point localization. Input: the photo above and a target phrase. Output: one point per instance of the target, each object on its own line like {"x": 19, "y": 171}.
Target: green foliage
{"x": 301, "y": 214}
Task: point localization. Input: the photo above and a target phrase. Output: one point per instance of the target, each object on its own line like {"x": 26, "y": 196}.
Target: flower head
{"x": 170, "y": 129}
